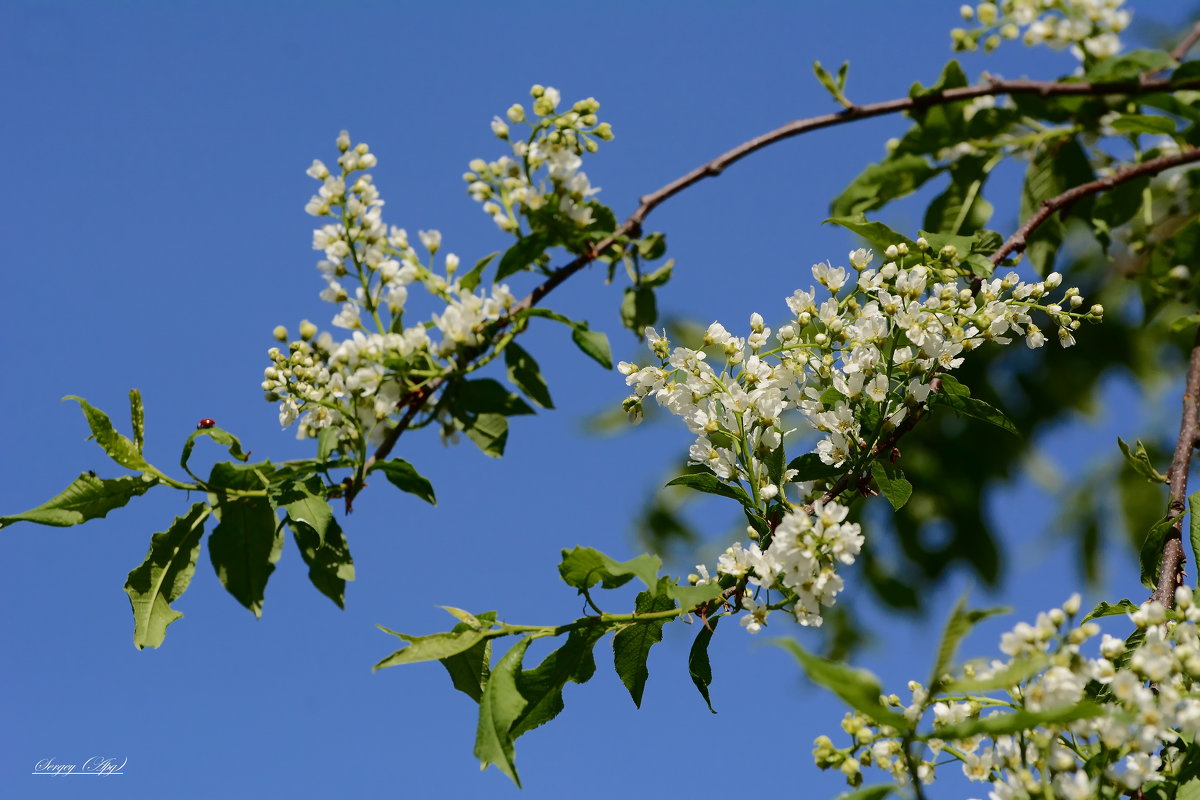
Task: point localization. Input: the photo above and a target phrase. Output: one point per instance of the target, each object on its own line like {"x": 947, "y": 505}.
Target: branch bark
{"x": 1184, "y": 46}
{"x": 1017, "y": 242}
{"x": 1173, "y": 559}
{"x": 416, "y": 399}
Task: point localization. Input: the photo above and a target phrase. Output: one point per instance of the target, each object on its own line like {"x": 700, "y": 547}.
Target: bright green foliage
{"x": 164, "y": 576}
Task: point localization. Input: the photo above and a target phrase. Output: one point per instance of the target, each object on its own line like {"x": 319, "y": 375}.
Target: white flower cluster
{"x": 353, "y": 385}
{"x": 1143, "y": 711}
{"x": 853, "y": 366}
{"x": 1088, "y": 27}
{"x": 511, "y": 187}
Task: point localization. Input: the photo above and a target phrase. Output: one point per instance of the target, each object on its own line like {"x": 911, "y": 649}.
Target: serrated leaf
{"x": 248, "y": 539}
{"x": 891, "y": 482}
{"x": 711, "y": 484}
{"x": 879, "y": 184}
{"x": 164, "y": 576}
{"x": 526, "y": 375}
{"x": 958, "y": 626}
{"x": 1102, "y": 609}
{"x": 878, "y": 235}
{"x": 404, "y": 476}
{"x": 521, "y": 255}
{"x": 489, "y": 432}
{"x": 859, "y": 688}
{"x": 690, "y": 597}
{"x": 699, "y": 668}
{"x": 1150, "y": 555}
{"x": 137, "y": 416}
{"x": 593, "y": 343}
{"x": 88, "y": 497}
{"x": 470, "y": 280}
{"x": 542, "y": 686}
{"x": 499, "y": 707}
{"x": 119, "y": 449}
{"x": 470, "y": 669}
{"x": 584, "y": 567}
{"x": 1139, "y": 459}
{"x": 1008, "y": 723}
{"x": 810, "y": 467}
{"x": 959, "y": 400}
{"x": 631, "y": 645}
{"x": 304, "y": 501}
{"x": 430, "y": 648}
{"x": 329, "y": 562}
{"x": 218, "y": 435}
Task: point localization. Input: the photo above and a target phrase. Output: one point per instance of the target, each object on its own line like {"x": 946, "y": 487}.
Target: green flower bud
{"x": 280, "y": 333}
{"x": 307, "y": 330}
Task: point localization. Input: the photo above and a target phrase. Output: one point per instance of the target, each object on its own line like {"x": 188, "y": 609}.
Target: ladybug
{"x": 205, "y": 423}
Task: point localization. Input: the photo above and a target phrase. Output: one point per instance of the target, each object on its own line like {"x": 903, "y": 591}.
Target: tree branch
{"x": 1017, "y": 242}
{"x": 1171, "y": 575}
{"x": 1184, "y": 46}
{"x": 416, "y": 398}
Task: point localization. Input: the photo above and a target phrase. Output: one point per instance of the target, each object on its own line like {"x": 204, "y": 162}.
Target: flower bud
{"x": 280, "y": 333}
{"x": 307, "y": 330}
{"x": 516, "y": 113}
{"x": 499, "y": 128}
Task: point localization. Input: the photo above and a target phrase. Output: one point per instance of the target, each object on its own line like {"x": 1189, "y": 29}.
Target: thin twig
{"x": 1183, "y": 47}
{"x": 1017, "y": 242}
{"x": 1171, "y": 576}
{"x": 415, "y": 399}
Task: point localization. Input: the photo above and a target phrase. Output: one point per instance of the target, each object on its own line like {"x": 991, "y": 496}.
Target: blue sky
{"x": 154, "y": 214}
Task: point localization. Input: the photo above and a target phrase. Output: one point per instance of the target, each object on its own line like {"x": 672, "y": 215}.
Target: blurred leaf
{"x": 858, "y": 688}
{"x": 1151, "y": 552}
{"x": 470, "y": 280}
{"x": 891, "y": 482}
{"x": 958, "y": 626}
{"x": 593, "y": 344}
{"x": 638, "y": 309}
{"x": 1121, "y": 608}
{"x": 877, "y": 185}
{"x": 1144, "y": 123}
{"x": 522, "y": 254}
{"x": 1002, "y": 723}
{"x": 584, "y": 567}
{"x": 1129, "y": 66}
{"x": 1139, "y": 459}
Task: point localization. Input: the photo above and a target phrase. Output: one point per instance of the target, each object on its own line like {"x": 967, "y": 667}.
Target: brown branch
{"x": 1184, "y": 46}
{"x": 1017, "y": 242}
{"x": 1171, "y": 575}
{"x": 416, "y": 398}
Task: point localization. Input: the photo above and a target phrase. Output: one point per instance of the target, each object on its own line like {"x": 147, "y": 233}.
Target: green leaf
{"x": 660, "y": 276}
{"x": 164, "y": 576}
{"x": 1139, "y": 459}
{"x": 1150, "y": 555}
{"x": 327, "y": 442}
{"x": 471, "y": 279}
{"x": 328, "y": 560}
{"x": 593, "y": 343}
{"x": 526, "y": 375}
{"x": 810, "y": 467}
{"x": 137, "y": 414}
{"x": 957, "y": 398}
{"x": 119, "y": 448}
{"x": 833, "y": 87}
{"x": 248, "y": 539}
{"x": 878, "y": 235}
{"x": 584, "y": 567}
{"x": 542, "y": 686}
{"x": 631, "y": 645}
{"x": 879, "y": 184}
{"x": 1194, "y": 525}
{"x": 518, "y": 257}
{"x": 652, "y": 246}
{"x": 639, "y": 309}
{"x": 1102, "y": 609}
{"x": 499, "y": 707}
{"x": 219, "y": 436}
{"x": 690, "y": 597}
{"x": 1008, "y": 723}
{"x": 431, "y": 648}
{"x": 1144, "y": 123}
{"x": 958, "y": 626}
{"x": 1017, "y": 671}
{"x": 88, "y": 497}
{"x": 1129, "y": 66}
{"x": 707, "y": 482}
{"x": 1183, "y": 323}
{"x": 488, "y": 396}
{"x": 470, "y": 669}
{"x": 404, "y": 476}
{"x": 859, "y": 688}
{"x": 1058, "y": 165}
{"x": 960, "y": 208}
{"x": 304, "y": 501}
{"x": 699, "y": 667}
{"x": 876, "y": 792}
{"x": 891, "y": 482}
{"x": 489, "y": 432}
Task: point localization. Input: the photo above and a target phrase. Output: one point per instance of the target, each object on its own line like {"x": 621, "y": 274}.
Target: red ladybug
{"x": 205, "y": 423}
